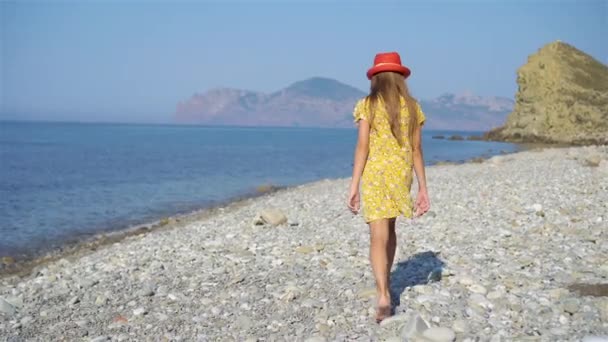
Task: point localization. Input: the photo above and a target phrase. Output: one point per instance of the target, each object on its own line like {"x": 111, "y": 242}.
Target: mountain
{"x": 323, "y": 102}
{"x": 562, "y": 97}
{"x": 466, "y": 111}
{"x": 316, "y": 102}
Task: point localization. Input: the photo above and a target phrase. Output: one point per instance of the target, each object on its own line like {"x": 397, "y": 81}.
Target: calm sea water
{"x": 65, "y": 181}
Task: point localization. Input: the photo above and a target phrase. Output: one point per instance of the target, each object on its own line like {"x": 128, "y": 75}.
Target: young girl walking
{"x": 388, "y": 151}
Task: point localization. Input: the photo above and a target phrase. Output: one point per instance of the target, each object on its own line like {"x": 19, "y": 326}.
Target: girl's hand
{"x": 422, "y": 203}
{"x": 354, "y": 200}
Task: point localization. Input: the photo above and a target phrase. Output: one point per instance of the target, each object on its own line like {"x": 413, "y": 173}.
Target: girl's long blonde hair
{"x": 390, "y": 86}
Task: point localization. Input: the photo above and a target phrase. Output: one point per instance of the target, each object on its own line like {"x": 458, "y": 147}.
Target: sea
{"x": 64, "y": 182}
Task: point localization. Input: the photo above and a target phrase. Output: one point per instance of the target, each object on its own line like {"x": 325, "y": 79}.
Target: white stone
{"x": 537, "y": 207}
{"x": 139, "y": 312}
{"x": 439, "y": 334}
{"x": 479, "y": 300}
{"x": 15, "y": 301}
{"x": 466, "y": 280}
{"x": 495, "y": 295}
{"x": 394, "y": 319}
{"x": 270, "y": 216}
{"x": 99, "y": 339}
{"x": 460, "y": 326}
{"x": 496, "y": 338}
{"x": 26, "y": 320}
{"x": 316, "y": 339}
{"x": 476, "y": 288}
{"x": 393, "y": 339}
{"x": 595, "y": 339}
{"x": 6, "y": 307}
{"x": 101, "y": 300}
{"x": 414, "y": 326}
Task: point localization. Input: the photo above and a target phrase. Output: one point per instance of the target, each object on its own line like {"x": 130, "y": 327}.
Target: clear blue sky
{"x": 134, "y": 60}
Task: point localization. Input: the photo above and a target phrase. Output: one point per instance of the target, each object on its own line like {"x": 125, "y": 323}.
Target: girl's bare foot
{"x": 384, "y": 309}
{"x": 382, "y": 312}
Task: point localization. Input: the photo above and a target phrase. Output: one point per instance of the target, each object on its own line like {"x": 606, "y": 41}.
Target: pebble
{"x": 367, "y": 293}
{"x": 243, "y": 322}
{"x": 101, "y": 300}
{"x": 99, "y": 339}
{"x": 476, "y": 288}
{"x": 122, "y": 337}
{"x": 15, "y": 301}
{"x": 139, "y": 312}
{"x": 439, "y": 334}
{"x": 496, "y": 338}
{"x": 6, "y": 307}
{"x": 460, "y": 326}
{"x": 494, "y": 295}
{"x": 219, "y": 278}
{"x": 595, "y": 339}
{"x": 558, "y": 331}
{"x": 270, "y": 216}
{"x": 478, "y": 303}
{"x": 393, "y": 339}
{"x": 558, "y": 293}
{"x": 395, "y": 319}
{"x": 316, "y": 339}
{"x": 423, "y": 289}
{"x": 571, "y": 305}
{"x": 466, "y": 280}
{"x": 414, "y": 326}
{"x": 26, "y": 320}
{"x": 304, "y": 249}
{"x": 593, "y": 160}
{"x": 147, "y": 290}
{"x": 435, "y": 275}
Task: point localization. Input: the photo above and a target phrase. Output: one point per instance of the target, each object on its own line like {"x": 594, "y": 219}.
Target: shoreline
{"x": 11, "y": 266}
{"x": 80, "y": 247}
{"x": 21, "y": 266}
{"x": 512, "y": 248}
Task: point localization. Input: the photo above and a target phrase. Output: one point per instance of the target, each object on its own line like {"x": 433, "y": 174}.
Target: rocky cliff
{"x": 562, "y": 98}
{"x": 322, "y": 102}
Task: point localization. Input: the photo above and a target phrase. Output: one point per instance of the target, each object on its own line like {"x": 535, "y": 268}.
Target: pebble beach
{"x": 515, "y": 248}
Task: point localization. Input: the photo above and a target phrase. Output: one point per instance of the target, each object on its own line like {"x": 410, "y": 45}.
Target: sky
{"x": 133, "y": 61}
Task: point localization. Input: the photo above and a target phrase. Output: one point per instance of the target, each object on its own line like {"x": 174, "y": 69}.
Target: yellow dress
{"x": 388, "y": 173}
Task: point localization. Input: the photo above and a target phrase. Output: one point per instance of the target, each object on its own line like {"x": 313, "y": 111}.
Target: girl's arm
{"x": 422, "y": 201}
{"x": 361, "y": 152}
{"x": 419, "y": 158}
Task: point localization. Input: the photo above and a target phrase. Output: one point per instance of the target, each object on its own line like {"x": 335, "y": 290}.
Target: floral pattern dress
{"x": 388, "y": 173}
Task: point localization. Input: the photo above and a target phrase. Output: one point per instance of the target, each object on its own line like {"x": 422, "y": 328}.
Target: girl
{"x": 388, "y": 148}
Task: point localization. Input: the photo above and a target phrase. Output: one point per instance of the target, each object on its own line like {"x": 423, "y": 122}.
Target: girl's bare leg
{"x": 379, "y": 242}
{"x": 392, "y": 245}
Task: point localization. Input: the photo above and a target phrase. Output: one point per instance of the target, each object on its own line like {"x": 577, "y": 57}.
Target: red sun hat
{"x": 388, "y": 61}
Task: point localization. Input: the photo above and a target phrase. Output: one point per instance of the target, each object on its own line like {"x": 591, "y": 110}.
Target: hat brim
{"x": 389, "y": 67}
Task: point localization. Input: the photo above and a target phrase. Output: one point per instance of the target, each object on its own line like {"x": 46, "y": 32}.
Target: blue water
{"x": 64, "y": 181}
